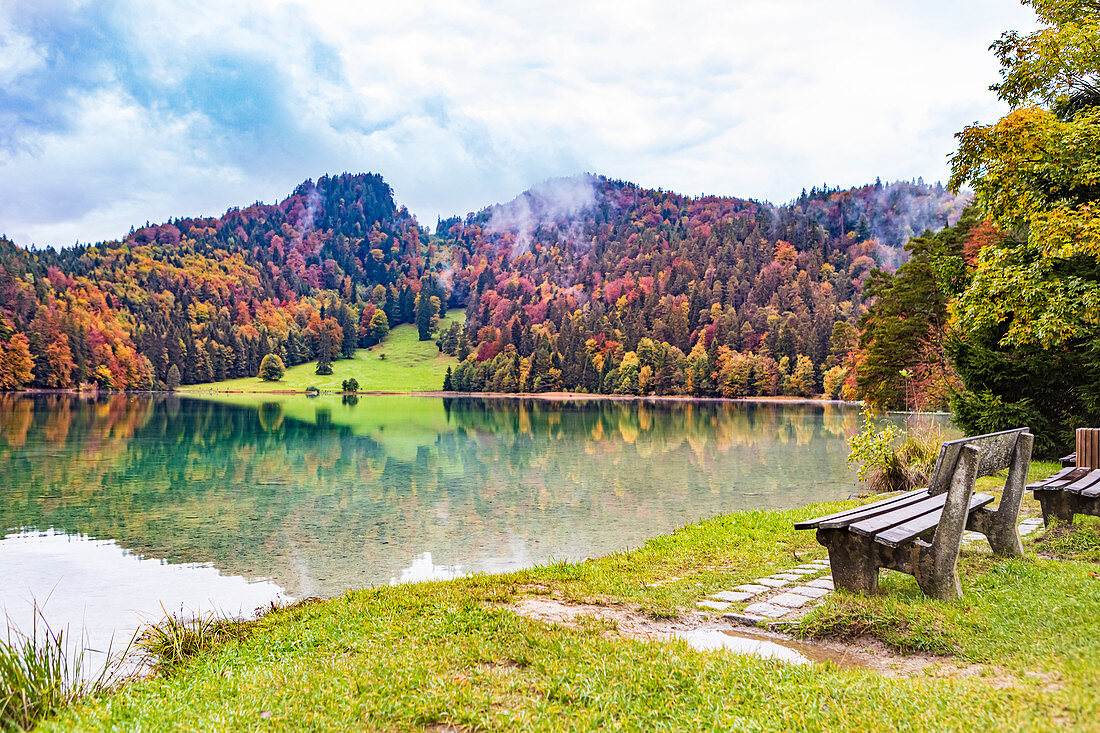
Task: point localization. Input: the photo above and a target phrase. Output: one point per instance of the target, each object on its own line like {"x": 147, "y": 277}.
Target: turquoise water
{"x": 115, "y": 506}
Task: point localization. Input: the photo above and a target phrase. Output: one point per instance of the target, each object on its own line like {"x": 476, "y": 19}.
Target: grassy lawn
{"x": 401, "y": 363}
{"x": 451, "y": 656}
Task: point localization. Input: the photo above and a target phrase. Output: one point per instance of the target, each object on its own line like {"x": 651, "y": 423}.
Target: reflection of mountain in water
{"x": 323, "y": 496}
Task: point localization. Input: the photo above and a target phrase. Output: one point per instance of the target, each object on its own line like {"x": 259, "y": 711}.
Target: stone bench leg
{"x": 1058, "y": 505}
{"x": 936, "y": 568}
{"x": 999, "y": 525}
{"x": 852, "y": 560}
{"x": 937, "y": 577}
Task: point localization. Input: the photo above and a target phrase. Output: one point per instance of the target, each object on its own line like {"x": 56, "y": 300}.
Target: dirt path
{"x": 865, "y": 653}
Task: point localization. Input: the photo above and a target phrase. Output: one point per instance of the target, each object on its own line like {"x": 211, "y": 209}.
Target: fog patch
{"x": 558, "y": 202}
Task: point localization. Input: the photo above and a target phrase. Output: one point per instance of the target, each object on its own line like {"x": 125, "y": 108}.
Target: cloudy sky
{"x": 117, "y": 112}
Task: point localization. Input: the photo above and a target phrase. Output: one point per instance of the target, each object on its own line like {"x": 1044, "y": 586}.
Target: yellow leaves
{"x": 1037, "y": 175}
{"x": 1067, "y": 232}
{"x": 1029, "y": 162}
{"x": 1041, "y": 304}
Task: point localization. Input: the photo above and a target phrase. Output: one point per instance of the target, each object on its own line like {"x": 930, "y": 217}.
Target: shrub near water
{"x": 892, "y": 459}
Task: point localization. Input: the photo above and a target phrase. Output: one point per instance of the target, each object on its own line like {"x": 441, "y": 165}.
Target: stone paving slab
{"x": 1029, "y": 525}
{"x": 745, "y": 619}
{"x": 753, "y": 589}
{"x": 790, "y": 600}
{"x": 806, "y": 590}
{"x": 781, "y": 602}
{"x": 716, "y": 605}
{"x": 770, "y": 582}
{"x": 766, "y": 610}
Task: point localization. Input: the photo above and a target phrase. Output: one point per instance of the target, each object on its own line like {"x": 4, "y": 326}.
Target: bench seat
{"x": 920, "y": 532}
{"x": 895, "y": 520}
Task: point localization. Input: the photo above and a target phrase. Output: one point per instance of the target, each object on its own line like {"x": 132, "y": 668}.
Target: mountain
{"x": 337, "y": 262}
{"x": 212, "y": 296}
{"x": 601, "y": 286}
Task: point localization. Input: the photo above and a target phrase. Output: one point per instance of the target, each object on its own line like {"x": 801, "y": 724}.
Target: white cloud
{"x": 461, "y": 105}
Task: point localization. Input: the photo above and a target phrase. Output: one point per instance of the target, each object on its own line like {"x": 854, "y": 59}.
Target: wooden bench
{"x": 920, "y": 532}
{"x": 1075, "y": 489}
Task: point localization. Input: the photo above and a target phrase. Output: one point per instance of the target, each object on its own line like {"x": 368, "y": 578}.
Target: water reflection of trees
{"x": 318, "y": 508}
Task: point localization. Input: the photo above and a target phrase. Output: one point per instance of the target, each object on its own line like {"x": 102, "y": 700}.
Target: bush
{"x": 351, "y": 384}
{"x": 892, "y": 459}
{"x": 324, "y": 367}
{"x": 272, "y": 368}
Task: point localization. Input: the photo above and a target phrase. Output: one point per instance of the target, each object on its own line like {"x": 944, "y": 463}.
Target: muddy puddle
{"x": 757, "y": 645}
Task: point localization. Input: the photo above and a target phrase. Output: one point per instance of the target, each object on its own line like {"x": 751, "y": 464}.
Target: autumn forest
{"x": 581, "y": 284}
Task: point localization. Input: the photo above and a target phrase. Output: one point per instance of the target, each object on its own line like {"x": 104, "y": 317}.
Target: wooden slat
{"x": 1091, "y": 493}
{"x": 1089, "y": 480}
{"x": 874, "y": 525}
{"x": 1054, "y": 477}
{"x": 1088, "y": 447}
{"x": 1058, "y": 484}
{"x": 844, "y": 518}
{"x": 915, "y": 527}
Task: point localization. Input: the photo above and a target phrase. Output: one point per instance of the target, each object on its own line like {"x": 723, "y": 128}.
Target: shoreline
{"x": 542, "y": 396}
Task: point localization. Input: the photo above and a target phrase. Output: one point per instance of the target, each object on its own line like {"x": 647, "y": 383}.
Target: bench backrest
{"x": 995, "y": 452}
{"x": 1088, "y": 447}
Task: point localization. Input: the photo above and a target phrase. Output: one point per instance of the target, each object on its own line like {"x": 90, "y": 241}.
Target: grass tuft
{"x": 41, "y": 674}
{"x": 168, "y": 645}
{"x": 904, "y": 628}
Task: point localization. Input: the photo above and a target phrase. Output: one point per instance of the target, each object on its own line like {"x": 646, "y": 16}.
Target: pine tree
{"x": 172, "y": 382}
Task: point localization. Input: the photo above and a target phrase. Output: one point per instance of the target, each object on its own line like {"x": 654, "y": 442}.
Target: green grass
{"x": 1077, "y": 541}
{"x": 437, "y": 656}
{"x": 401, "y": 363}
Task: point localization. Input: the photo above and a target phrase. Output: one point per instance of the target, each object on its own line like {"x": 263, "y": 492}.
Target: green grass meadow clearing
{"x": 401, "y": 363}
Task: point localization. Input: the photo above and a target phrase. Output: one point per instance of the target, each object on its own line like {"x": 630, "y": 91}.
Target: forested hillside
{"x": 595, "y": 285}
{"x": 582, "y": 284}
{"x": 330, "y": 268}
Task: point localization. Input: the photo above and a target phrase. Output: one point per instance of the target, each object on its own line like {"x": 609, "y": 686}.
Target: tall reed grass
{"x": 43, "y": 671}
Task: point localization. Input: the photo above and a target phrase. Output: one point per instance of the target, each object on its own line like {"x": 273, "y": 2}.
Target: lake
{"x": 118, "y": 506}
